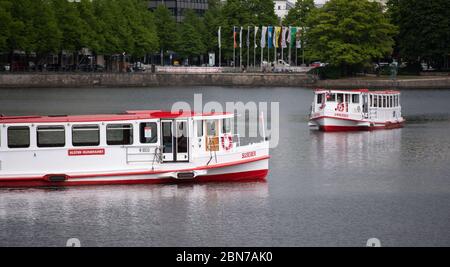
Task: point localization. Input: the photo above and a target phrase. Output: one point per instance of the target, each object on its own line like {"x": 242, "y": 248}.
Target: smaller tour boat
{"x": 355, "y": 110}
{"x": 146, "y": 146}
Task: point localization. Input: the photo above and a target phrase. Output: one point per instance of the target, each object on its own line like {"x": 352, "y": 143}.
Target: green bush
{"x": 327, "y": 72}
{"x": 413, "y": 68}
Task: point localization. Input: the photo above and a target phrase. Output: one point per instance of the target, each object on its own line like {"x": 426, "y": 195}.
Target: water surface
{"x": 324, "y": 189}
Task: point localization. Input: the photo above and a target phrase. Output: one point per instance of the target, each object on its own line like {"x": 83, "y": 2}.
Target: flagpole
{"x": 254, "y": 49}
{"x": 282, "y": 48}
{"x": 240, "y": 49}
{"x": 234, "y": 47}
{"x": 268, "y": 47}
{"x": 248, "y": 46}
{"x": 290, "y": 44}
{"x": 220, "y": 48}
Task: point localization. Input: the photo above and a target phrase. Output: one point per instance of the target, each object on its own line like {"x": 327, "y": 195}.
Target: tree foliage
{"x": 424, "y": 29}
{"x": 298, "y": 15}
{"x": 349, "y": 33}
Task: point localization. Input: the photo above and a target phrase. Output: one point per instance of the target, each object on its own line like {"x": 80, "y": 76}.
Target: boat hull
{"x": 249, "y": 171}
{"x": 330, "y": 124}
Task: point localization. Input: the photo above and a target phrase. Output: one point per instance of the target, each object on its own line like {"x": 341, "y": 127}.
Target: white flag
{"x": 298, "y": 43}
{"x": 256, "y": 32}
{"x": 218, "y": 38}
{"x": 240, "y": 37}
{"x": 263, "y": 36}
{"x": 283, "y": 37}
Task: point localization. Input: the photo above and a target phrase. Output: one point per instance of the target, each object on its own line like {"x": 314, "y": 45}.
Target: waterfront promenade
{"x": 147, "y": 79}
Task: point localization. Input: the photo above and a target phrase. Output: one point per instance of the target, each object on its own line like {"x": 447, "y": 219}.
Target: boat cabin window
{"x": 85, "y": 135}
{"x": 319, "y": 98}
{"x": 51, "y": 136}
{"x": 18, "y": 137}
{"x": 148, "y": 132}
{"x": 119, "y": 134}
{"x": 340, "y": 98}
{"x": 211, "y": 128}
{"x": 331, "y": 97}
{"x": 355, "y": 99}
{"x": 226, "y": 125}
{"x": 200, "y": 128}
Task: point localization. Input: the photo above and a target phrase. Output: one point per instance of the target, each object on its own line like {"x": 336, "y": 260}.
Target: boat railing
{"x": 150, "y": 154}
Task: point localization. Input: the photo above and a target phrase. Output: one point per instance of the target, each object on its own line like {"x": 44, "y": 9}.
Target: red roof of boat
{"x": 128, "y": 115}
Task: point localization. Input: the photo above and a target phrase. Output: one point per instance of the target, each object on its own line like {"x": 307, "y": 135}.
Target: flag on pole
{"x": 256, "y": 32}
{"x": 248, "y": 36}
{"x": 234, "y": 36}
{"x": 219, "y": 43}
{"x": 276, "y": 40}
{"x": 293, "y": 34}
{"x": 298, "y": 43}
{"x": 270, "y": 37}
{"x": 263, "y": 36}
{"x": 240, "y": 37}
{"x": 283, "y": 37}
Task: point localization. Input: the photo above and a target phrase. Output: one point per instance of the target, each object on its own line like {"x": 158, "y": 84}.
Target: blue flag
{"x": 270, "y": 36}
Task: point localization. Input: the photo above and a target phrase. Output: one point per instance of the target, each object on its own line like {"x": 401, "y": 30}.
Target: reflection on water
{"x": 323, "y": 189}
{"x": 159, "y": 215}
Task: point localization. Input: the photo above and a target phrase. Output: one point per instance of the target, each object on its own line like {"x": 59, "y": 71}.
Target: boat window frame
{"x": 142, "y": 138}
{"x": 320, "y": 96}
{"x": 92, "y": 144}
{"x": 17, "y": 128}
{"x": 50, "y": 128}
{"x": 200, "y": 131}
{"x": 353, "y": 99}
{"x": 331, "y": 98}
{"x": 213, "y": 122}
{"x": 124, "y": 129}
{"x": 226, "y": 126}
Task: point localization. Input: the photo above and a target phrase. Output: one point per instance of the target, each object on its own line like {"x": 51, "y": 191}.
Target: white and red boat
{"x": 148, "y": 146}
{"x": 355, "y": 110}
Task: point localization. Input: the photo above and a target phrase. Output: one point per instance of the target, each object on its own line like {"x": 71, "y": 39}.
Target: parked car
{"x": 5, "y": 67}
{"x": 317, "y": 64}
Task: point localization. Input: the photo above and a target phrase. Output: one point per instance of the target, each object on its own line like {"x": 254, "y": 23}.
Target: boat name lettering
{"x": 86, "y": 152}
{"x": 341, "y": 115}
{"x": 248, "y": 154}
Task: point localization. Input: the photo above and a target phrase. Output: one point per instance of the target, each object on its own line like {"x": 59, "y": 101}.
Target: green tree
{"x": 212, "y": 21}
{"x": 349, "y": 33}
{"x": 424, "y": 30}
{"x": 45, "y": 35}
{"x": 298, "y": 15}
{"x": 191, "y": 43}
{"x": 71, "y": 25}
{"x": 144, "y": 31}
{"x": 6, "y": 21}
{"x": 92, "y": 31}
{"x": 166, "y": 29}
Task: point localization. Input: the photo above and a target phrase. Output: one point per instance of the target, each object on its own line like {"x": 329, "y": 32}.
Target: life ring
{"x": 341, "y": 107}
{"x": 227, "y": 142}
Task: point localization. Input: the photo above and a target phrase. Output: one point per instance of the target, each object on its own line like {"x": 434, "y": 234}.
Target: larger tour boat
{"x": 148, "y": 146}
{"x": 352, "y": 110}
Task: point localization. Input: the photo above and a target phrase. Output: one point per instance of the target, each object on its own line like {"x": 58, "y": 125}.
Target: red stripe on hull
{"x": 228, "y": 177}
{"x": 336, "y": 128}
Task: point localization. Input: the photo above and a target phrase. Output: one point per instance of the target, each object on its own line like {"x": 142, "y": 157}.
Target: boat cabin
{"x": 357, "y": 104}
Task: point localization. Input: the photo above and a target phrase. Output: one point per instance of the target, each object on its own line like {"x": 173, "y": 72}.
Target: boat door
{"x": 174, "y": 140}
{"x": 365, "y": 105}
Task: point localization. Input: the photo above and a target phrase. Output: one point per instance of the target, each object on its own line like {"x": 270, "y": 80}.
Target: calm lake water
{"x": 324, "y": 189}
